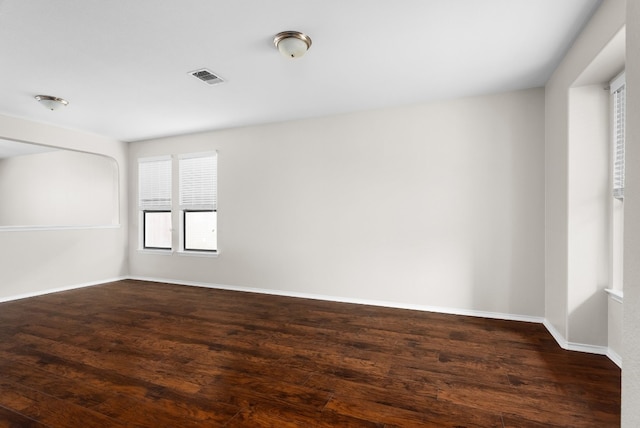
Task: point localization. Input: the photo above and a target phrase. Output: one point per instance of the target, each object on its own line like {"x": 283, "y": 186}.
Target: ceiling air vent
{"x": 206, "y": 76}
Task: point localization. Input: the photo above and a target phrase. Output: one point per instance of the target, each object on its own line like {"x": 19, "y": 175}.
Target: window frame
{"x": 183, "y": 229}
{"x": 150, "y": 206}
{"x": 185, "y": 206}
{"x": 174, "y": 203}
{"x": 144, "y": 231}
{"x": 617, "y": 88}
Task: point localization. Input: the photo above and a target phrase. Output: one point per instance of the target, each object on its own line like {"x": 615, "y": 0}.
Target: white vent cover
{"x": 206, "y": 76}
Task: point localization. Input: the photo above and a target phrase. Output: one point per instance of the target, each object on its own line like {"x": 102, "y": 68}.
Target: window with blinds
{"x": 154, "y": 184}
{"x": 618, "y": 93}
{"x": 198, "y": 201}
{"x": 154, "y": 202}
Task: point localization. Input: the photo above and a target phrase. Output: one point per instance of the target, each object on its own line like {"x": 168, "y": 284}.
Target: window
{"x": 157, "y": 230}
{"x": 200, "y": 230}
{"x": 198, "y": 202}
{"x": 154, "y": 202}
{"x": 197, "y": 205}
{"x": 618, "y": 119}
{"x": 618, "y": 93}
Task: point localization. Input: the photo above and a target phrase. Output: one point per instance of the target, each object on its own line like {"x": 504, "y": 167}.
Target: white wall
{"x": 573, "y": 303}
{"x": 631, "y": 338}
{"x": 34, "y": 261}
{"x": 437, "y": 204}
{"x": 589, "y": 219}
{"x": 58, "y": 188}
{"x": 614, "y": 329}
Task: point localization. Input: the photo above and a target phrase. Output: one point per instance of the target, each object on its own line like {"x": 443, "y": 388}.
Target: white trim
{"x": 59, "y": 289}
{"x": 34, "y": 228}
{"x": 155, "y": 252}
{"x": 197, "y": 154}
{"x": 396, "y": 305}
{"x": 185, "y": 253}
{"x": 196, "y": 253}
{"x": 614, "y": 294}
{"x": 615, "y": 357}
{"x": 617, "y": 82}
{"x": 559, "y": 338}
{"x": 155, "y": 158}
{"x": 589, "y": 349}
{"x": 572, "y": 346}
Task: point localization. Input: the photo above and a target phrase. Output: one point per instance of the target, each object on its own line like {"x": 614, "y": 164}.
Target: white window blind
{"x": 154, "y": 184}
{"x": 198, "y": 182}
{"x": 618, "y": 91}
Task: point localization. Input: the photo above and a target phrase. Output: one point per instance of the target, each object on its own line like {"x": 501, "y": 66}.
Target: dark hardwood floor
{"x": 142, "y": 354}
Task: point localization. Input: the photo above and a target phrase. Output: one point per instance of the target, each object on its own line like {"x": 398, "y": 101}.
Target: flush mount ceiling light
{"x": 292, "y": 44}
{"x": 52, "y": 103}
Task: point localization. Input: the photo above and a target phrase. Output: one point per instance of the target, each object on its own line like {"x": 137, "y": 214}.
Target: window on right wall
{"x": 618, "y": 119}
{"x": 618, "y": 98}
{"x": 198, "y": 202}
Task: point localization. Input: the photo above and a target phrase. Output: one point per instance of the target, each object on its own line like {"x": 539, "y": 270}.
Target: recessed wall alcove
{"x": 50, "y": 187}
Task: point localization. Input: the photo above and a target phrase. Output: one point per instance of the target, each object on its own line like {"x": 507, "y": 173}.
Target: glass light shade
{"x": 51, "y": 103}
{"x": 292, "y": 47}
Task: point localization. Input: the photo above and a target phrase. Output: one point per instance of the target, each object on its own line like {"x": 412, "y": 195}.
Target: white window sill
{"x": 180, "y": 253}
{"x": 155, "y": 252}
{"x": 208, "y": 254}
{"x": 614, "y": 294}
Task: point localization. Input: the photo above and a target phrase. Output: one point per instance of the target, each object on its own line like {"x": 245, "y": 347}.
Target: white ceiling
{"x": 123, "y": 64}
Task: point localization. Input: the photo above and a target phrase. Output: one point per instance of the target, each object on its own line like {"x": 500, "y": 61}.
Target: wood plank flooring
{"x": 141, "y": 354}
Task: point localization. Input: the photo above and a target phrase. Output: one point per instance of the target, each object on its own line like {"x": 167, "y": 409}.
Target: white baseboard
{"x": 559, "y": 338}
{"x": 58, "y": 289}
{"x": 386, "y": 304}
{"x": 573, "y": 346}
{"x": 615, "y": 357}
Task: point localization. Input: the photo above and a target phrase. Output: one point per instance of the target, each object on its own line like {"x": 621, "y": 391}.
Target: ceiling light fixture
{"x": 52, "y": 103}
{"x": 292, "y": 44}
